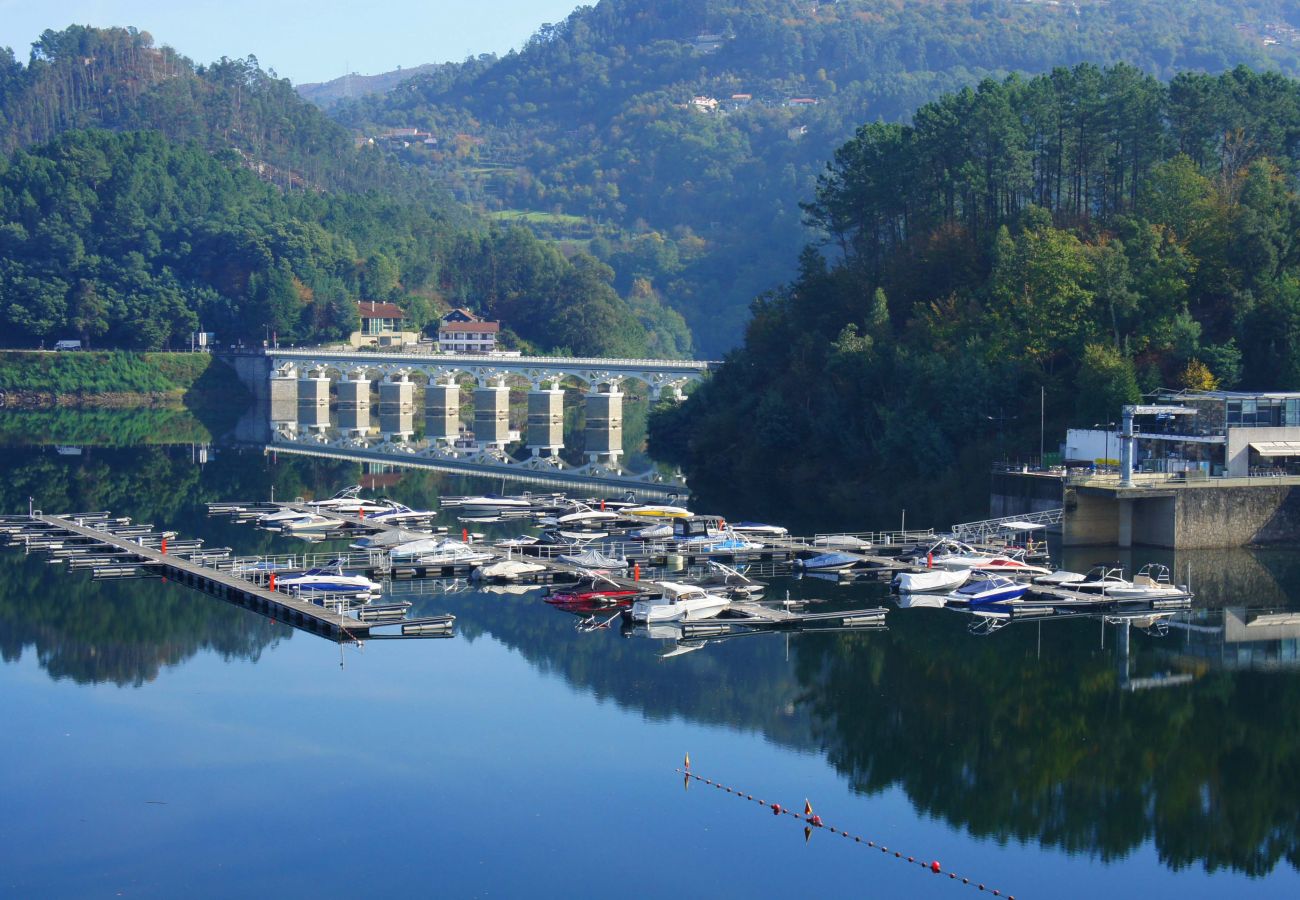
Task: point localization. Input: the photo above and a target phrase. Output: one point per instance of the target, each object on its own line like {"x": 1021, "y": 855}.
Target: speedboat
{"x": 394, "y": 513}
{"x": 1102, "y": 579}
{"x": 827, "y": 562}
{"x": 348, "y": 502}
{"x": 1061, "y": 577}
{"x": 679, "y": 603}
{"x": 1150, "y": 583}
{"x": 508, "y": 569}
{"x": 579, "y": 516}
{"x": 964, "y": 556}
{"x": 759, "y": 529}
{"x": 308, "y": 523}
{"x": 593, "y": 600}
{"x": 488, "y": 504}
{"x": 656, "y": 511}
{"x": 993, "y": 589}
{"x": 931, "y": 580}
{"x": 330, "y": 579}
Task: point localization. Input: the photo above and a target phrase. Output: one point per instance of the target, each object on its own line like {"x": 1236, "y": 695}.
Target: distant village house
{"x": 460, "y": 331}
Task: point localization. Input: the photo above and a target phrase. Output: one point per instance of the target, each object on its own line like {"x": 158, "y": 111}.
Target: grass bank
{"x": 117, "y": 378}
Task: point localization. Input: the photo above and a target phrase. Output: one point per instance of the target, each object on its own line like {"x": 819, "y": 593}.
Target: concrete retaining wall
{"x": 1235, "y": 516}
{"x": 253, "y": 370}
{"x": 1021, "y": 493}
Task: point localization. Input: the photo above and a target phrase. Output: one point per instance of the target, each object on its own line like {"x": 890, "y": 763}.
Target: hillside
{"x": 144, "y": 196}
{"x": 351, "y": 86}
{"x": 686, "y": 132}
{"x": 1090, "y": 234}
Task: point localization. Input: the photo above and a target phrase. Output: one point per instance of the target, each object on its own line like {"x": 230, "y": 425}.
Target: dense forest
{"x": 1090, "y": 234}
{"x": 674, "y": 139}
{"x": 243, "y": 210}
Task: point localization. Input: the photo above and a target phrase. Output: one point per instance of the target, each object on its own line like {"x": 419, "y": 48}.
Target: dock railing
{"x": 981, "y": 531}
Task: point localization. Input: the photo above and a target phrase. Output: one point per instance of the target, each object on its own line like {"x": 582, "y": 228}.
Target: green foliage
{"x": 594, "y": 118}
{"x": 105, "y": 372}
{"x": 1021, "y": 248}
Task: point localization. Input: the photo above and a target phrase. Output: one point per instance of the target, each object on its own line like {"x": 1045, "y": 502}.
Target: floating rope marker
{"x": 811, "y": 820}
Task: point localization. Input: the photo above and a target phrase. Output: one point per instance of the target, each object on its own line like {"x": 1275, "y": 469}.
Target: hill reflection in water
{"x": 1036, "y": 733}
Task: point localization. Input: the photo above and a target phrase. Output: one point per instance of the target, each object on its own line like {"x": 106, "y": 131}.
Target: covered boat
{"x": 930, "y": 580}
{"x": 827, "y": 562}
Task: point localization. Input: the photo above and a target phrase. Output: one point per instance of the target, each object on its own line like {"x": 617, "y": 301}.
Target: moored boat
{"x": 930, "y": 581}
{"x": 993, "y": 589}
{"x": 679, "y": 603}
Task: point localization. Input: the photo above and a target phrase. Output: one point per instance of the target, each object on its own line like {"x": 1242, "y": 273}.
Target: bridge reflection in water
{"x": 303, "y": 420}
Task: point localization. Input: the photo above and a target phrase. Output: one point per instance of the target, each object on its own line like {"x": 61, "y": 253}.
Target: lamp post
{"x": 1108, "y": 426}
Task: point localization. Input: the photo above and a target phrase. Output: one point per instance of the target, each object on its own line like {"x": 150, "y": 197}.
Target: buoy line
{"x": 813, "y": 821}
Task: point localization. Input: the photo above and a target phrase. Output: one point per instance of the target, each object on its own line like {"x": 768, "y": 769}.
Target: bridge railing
{"x": 505, "y": 361}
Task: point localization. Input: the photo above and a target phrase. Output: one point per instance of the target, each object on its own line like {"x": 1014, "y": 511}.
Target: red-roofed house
{"x": 384, "y": 324}
{"x": 460, "y": 331}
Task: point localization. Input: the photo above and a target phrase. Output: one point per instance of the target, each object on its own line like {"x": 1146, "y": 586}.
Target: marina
{"x": 782, "y": 674}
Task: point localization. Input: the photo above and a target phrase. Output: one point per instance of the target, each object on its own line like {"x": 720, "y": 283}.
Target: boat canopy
{"x": 1023, "y": 526}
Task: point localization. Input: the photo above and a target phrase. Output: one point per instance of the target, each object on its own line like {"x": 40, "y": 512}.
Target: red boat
{"x": 590, "y": 601}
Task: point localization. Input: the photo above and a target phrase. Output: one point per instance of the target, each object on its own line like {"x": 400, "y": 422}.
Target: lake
{"x": 161, "y": 743}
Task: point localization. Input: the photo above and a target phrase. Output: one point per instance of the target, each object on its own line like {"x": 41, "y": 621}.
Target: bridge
{"x": 302, "y": 381}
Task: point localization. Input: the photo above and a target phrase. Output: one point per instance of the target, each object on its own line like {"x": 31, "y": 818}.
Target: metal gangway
{"x": 980, "y": 532}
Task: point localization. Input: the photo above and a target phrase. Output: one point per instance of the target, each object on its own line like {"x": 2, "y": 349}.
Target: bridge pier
{"x": 442, "y": 411}
{"x": 283, "y": 390}
{"x": 314, "y": 401}
{"x": 397, "y": 408}
{"x": 546, "y": 421}
{"x": 354, "y": 404}
{"x": 492, "y": 413}
{"x": 604, "y": 433}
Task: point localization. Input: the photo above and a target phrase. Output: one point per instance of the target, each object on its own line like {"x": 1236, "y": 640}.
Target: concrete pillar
{"x": 492, "y": 413}
{"x": 284, "y": 399}
{"x": 354, "y": 405}
{"x": 314, "y": 402}
{"x": 604, "y": 435}
{"x": 397, "y": 408}
{"x": 1124, "y": 527}
{"x": 1126, "y": 447}
{"x": 442, "y": 411}
{"x": 546, "y": 422}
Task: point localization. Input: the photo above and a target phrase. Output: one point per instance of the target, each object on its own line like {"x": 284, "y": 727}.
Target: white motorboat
{"x": 759, "y": 529}
{"x": 310, "y": 523}
{"x": 508, "y": 569}
{"x": 1060, "y": 576}
{"x": 331, "y": 580}
{"x": 438, "y": 553}
{"x": 931, "y": 580}
{"x": 394, "y": 513}
{"x": 964, "y": 556}
{"x": 579, "y": 516}
{"x": 1102, "y": 579}
{"x": 1152, "y": 582}
{"x": 679, "y": 603}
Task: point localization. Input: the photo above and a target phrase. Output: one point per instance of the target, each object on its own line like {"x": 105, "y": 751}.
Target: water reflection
{"x": 1091, "y": 735}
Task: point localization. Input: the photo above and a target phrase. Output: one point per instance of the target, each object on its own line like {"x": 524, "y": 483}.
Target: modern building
{"x": 383, "y": 324}
{"x": 460, "y": 331}
{"x": 1234, "y": 433}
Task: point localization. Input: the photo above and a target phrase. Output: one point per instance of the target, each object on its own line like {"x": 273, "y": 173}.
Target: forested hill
{"x": 1093, "y": 234}
{"x": 687, "y": 131}
{"x": 116, "y": 78}
{"x": 143, "y": 196}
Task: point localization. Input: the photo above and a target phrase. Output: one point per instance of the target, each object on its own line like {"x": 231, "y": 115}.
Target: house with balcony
{"x": 383, "y": 325}
{"x": 461, "y": 331}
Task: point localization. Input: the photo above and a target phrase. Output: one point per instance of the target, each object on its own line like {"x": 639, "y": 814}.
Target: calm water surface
{"x": 161, "y": 743}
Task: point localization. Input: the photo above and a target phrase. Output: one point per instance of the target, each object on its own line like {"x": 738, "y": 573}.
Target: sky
{"x": 302, "y": 40}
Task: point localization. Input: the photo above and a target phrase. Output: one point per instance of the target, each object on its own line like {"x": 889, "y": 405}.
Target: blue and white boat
{"x": 994, "y": 589}
{"x": 395, "y": 513}
{"x": 827, "y": 562}
{"x": 330, "y": 579}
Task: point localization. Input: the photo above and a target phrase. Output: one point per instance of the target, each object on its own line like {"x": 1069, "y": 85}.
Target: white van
{"x": 67, "y": 345}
